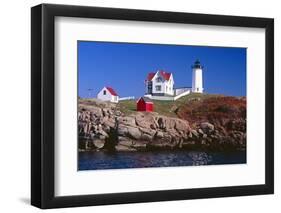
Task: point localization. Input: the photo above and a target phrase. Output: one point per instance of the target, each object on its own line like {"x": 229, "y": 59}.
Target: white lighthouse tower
{"x": 197, "y": 77}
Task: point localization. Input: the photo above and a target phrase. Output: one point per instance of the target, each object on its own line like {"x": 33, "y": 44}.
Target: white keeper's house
{"x": 108, "y": 94}
{"x": 159, "y": 85}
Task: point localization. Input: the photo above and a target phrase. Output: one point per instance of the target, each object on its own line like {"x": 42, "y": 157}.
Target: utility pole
{"x": 90, "y": 92}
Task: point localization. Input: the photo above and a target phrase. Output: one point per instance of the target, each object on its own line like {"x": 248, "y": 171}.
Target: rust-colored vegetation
{"x": 213, "y": 109}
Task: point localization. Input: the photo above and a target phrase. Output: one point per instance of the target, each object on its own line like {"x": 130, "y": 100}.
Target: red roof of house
{"x": 150, "y": 76}
{"x": 165, "y": 75}
{"x": 145, "y": 99}
{"x": 112, "y": 92}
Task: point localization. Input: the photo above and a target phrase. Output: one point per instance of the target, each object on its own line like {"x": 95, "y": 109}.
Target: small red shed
{"x": 144, "y": 104}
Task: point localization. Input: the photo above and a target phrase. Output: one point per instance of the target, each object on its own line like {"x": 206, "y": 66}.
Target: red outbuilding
{"x": 144, "y": 104}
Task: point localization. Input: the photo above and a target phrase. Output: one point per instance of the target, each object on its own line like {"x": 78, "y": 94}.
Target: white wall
{"x": 15, "y": 106}
{"x": 197, "y": 80}
{"x": 107, "y": 96}
{"x": 166, "y": 86}
{"x": 181, "y": 90}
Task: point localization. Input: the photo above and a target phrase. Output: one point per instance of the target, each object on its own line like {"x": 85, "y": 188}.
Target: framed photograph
{"x": 139, "y": 106}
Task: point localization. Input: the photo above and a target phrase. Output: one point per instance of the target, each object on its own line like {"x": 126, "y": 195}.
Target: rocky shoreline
{"x": 102, "y": 126}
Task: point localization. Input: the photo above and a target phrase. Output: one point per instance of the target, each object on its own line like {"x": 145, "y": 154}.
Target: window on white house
{"x": 104, "y": 92}
{"x": 158, "y": 79}
{"x": 158, "y": 88}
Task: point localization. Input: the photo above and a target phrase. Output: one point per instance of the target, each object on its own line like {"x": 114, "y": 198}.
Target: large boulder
{"x": 122, "y": 130}
{"x": 159, "y": 134}
{"x": 99, "y": 143}
{"x": 170, "y": 123}
{"x": 193, "y": 133}
{"x": 146, "y": 137}
{"x": 148, "y": 131}
{"x": 134, "y": 132}
{"x": 207, "y": 127}
{"x": 127, "y": 121}
{"x": 145, "y": 121}
{"x": 182, "y": 125}
{"x": 108, "y": 122}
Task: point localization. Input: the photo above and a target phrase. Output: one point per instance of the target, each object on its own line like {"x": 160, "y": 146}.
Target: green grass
{"x": 167, "y": 108}
{"x": 127, "y": 106}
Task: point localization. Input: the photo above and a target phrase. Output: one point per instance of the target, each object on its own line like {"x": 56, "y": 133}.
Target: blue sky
{"x": 124, "y": 67}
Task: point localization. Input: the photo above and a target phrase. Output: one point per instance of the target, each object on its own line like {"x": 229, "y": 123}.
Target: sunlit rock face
{"x": 214, "y": 124}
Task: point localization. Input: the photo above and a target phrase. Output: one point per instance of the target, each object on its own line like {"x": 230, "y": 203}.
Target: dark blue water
{"x": 122, "y": 160}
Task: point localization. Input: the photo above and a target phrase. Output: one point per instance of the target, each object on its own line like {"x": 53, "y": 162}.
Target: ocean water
{"x": 121, "y": 160}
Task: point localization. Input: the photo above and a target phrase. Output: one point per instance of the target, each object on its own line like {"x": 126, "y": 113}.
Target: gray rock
{"x": 118, "y": 113}
{"x": 102, "y": 132}
{"x": 146, "y": 137}
{"x": 122, "y": 130}
{"x": 139, "y": 145}
{"x": 169, "y": 123}
{"x": 102, "y": 137}
{"x": 182, "y": 125}
{"x": 109, "y": 122}
{"x": 148, "y": 131}
{"x": 159, "y": 134}
{"x": 161, "y": 123}
{"x": 194, "y": 133}
{"x": 134, "y": 132}
{"x": 99, "y": 143}
{"x": 145, "y": 121}
{"x": 127, "y": 121}
{"x": 126, "y": 142}
{"x": 200, "y": 131}
{"x": 123, "y": 148}
{"x": 207, "y": 127}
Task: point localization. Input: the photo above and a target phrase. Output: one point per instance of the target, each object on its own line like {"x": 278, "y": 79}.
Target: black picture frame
{"x": 43, "y": 117}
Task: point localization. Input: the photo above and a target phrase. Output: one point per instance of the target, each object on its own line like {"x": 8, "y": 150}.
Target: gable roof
{"x": 164, "y": 74}
{"x": 145, "y": 99}
{"x": 150, "y": 76}
{"x": 111, "y": 91}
